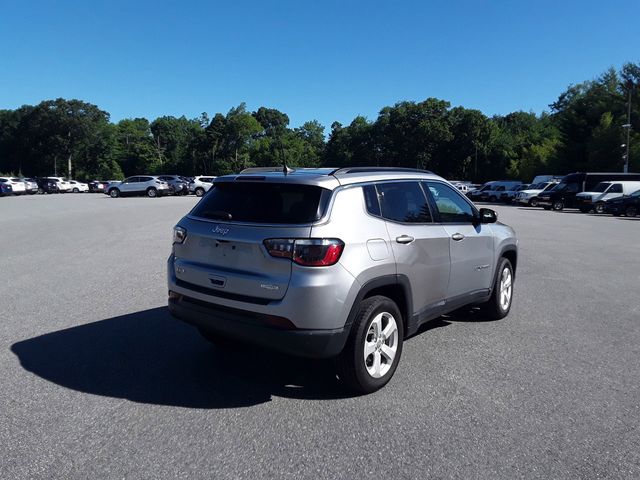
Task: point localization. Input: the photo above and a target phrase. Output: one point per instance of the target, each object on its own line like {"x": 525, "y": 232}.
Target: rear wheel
{"x": 631, "y": 211}
{"x": 152, "y": 192}
{"x": 558, "y": 205}
{"x": 199, "y": 192}
{"x": 114, "y": 193}
{"x": 533, "y": 202}
{"x": 373, "y": 349}
{"x": 499, "y": 304}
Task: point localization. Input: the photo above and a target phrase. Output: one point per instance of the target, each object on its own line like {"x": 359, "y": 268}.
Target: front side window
{"x": 404, "y": 202}
{"x": 615, "y": 188}
{"x": 601, "y": 187}
{"x": 452, "y": 207}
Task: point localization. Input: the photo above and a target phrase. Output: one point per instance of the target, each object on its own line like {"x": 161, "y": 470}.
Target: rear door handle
{"x": 457, "y": 237}
{"x": 404, "y": 239}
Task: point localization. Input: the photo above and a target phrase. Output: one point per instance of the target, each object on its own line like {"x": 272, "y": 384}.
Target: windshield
{"x": 263, "y": 203}
{"x": 601, "y": 187}
{"x": 635, "y": 194}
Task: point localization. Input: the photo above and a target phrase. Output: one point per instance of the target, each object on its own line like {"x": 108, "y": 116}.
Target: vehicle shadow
{"x": 467, "y": 314}
{"x": 149, "y": 357}
{"x": 636, "y": 219}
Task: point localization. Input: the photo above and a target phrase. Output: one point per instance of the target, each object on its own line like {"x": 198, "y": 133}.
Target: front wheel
{"x": 558, "y": 206}
{"x": 199, "y": 192}
{"x": 75, "y": 190}
{"x": 599, "y": 208}
{"x": 114, "y": 193}
{"x": 499, "y": 304}
{"x": 373, "y": 349}
{"x": 533, "y": 202}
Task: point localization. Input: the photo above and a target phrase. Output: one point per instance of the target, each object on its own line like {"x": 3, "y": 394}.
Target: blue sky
{"x": 324, "y": 60}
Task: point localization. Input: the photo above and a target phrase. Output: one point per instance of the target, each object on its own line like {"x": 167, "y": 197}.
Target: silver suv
{"x": 344, "y": 263}
{"x": 148, "y": 185}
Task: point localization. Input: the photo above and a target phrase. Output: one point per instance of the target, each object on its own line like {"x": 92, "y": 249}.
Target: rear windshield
{"x": 263, "y": 203}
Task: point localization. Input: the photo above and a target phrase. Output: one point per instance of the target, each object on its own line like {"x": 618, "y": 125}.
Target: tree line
{"x": 584, "y": 131}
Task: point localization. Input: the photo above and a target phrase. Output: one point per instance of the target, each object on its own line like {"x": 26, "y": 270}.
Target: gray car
{"x": 336, "y": 263}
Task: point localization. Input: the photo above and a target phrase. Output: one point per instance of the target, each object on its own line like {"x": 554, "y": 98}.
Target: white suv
{"x": 200, "y": 185}
{"x": 139, "y": 185}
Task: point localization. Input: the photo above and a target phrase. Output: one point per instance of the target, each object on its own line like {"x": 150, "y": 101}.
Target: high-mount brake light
{"x": 310, "y": 252}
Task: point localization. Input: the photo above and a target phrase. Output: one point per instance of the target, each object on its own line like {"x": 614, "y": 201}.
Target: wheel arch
{"x": 394, "y": 287}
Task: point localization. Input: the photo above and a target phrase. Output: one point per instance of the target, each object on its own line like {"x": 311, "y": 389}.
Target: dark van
{"x": 564, "y": 194}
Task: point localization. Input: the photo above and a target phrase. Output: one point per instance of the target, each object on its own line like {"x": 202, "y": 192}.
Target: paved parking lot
{"x": 96, "y": 380}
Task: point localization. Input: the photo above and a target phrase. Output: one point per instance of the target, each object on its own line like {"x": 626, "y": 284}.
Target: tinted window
{"x": 371, "y": 200}
{"x": 263, "y": 202}
{"x": 452, "y": 206}
{"x": 404, "y": 202}
{"x": 615, "y": 188}
{"x": 131, "y": 180}
{"x": 145, "y": 179}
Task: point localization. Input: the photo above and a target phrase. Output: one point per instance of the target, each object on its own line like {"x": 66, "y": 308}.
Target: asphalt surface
{"x": 97, "y": 381}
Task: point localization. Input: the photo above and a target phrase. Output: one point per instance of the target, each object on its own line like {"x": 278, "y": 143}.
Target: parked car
{"x": 177, "y": 185}
{"x": 342, "y": 263}
{"x": 17, "y": 186}
{"x": 30, "y": 185}
{"x": 509, "y": 194}
{"x": 594, "y": 199}
{"x": 201, "y": 185}
{"x": 491, "y": 191}
{"x": 63, "y": 185}
{"x": 139, "y": 185}
{"x": 564, "y": 194}
{"x": 628, "y": 205}
{"x": 97, "y": 186}
{"x": 47, "y": 185}
{"x": 77, "y": 187}
{"x": 529, "y": 196}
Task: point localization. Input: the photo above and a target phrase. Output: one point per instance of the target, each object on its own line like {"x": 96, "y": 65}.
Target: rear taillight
{"x": 311, "y": 252}
{"x": 179, "y": 234}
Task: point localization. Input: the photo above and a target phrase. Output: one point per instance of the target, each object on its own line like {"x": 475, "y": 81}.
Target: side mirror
{"x": 487, "y": 216}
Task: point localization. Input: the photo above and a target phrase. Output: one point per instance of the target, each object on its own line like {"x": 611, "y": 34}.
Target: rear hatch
{"x": 224, "y": 254}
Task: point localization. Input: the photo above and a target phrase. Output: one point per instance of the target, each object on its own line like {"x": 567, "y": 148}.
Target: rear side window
{"x": 453, "y": 208}
{"x": 404, "y": 202}
{"x": 277, "y": 203}
{"x": 371, "y": 200}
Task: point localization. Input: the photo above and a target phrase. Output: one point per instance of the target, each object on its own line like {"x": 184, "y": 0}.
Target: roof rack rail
{"x": 264, "y": 170}
{"x": 377, "y": 169}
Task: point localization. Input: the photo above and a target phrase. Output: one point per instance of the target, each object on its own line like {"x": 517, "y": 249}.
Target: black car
{"x": 46, "y": 185}
{"x": 628, "y": 205}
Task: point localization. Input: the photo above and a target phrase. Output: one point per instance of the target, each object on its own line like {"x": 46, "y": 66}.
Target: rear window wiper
{"x": 217, "y": 214}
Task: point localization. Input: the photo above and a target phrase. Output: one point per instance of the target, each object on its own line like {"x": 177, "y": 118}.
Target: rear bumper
{"x": 252, "y": 328}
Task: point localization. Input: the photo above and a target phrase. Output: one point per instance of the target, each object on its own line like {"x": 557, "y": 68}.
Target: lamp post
{"x": 628, "y": 127}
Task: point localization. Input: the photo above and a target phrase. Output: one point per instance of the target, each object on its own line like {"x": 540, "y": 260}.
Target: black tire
{"x": 75, "y": 190}
{"x": 599, "y": 208}
{"x": 533, "y": 202}
{"x": 114, "y": 193}
{"x": 558, "y": 205}
{"x": 631, "y": 211}
{"x": 199, "y": 192}
{"x": 494, "y": 308}
{"x": 152, "y": 192}
{"x": 351, "y": 363}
